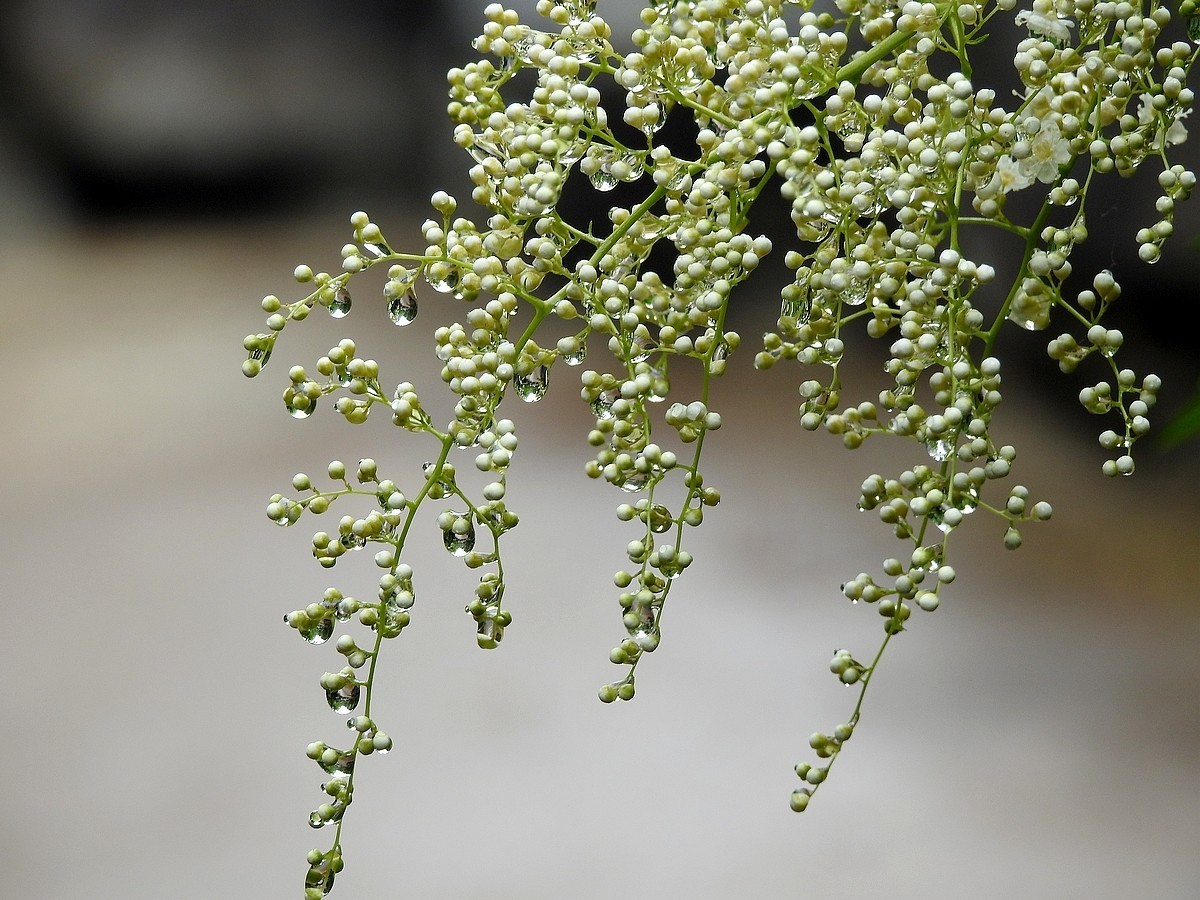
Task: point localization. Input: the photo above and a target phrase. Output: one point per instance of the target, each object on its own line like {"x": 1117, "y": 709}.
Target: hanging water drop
{"x": 575, "y": 357}
{"x": 856, "y": 292}
{"x": 443, "y": 277}
{"x": 402, "y": 310}
{"x": 603, "y": 404}
{"x": 378, "y": 249}
{"x": 337, "y": 762}
{"x": 939, "y": 448}
{"x": 344, "y": 699}
{"x": 459, "y": 538}
{"x": 603, "y": 181}
{"x": 532, "y": 387}
{"x": 319, "y": 632}
{"x": 635, "y": 481}
{"x": 340, "y": 305}
{"x": 659, "y": 519}
{"x": 490, "y": 632}
{"x": 299, "y": 404}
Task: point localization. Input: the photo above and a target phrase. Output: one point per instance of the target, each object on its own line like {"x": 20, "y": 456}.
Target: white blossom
{"x": 1176, "y": 132}
{"x": 1049, "y": 151}
{"x": 1052, "y": 27}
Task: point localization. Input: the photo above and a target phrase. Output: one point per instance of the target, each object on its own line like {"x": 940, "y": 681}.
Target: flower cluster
{"x": 873, "y": 124}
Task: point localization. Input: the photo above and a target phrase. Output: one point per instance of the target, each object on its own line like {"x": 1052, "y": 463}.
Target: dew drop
{"x": 635, "y": 482}
{"x": 490, "y": 632}
{"x": 603, "y": 404}
{"x": 444, "y": 278}
{"x": 337, "y": 762}
{"x": 603, "y": 181}
{"x": 378, "y": 249}
{"x": 856, "y": 292}
{"x": 939, "y": 449}
{"x": 299, "y": 405}
{"x": 574, "y": 359}
{"x": 532, "y": 387}
{"x": 640, "y": 349}
{"x": 402, "y": 310}
{"x": 344, "y": 699}
{"x": 319, "y": 632}
{"x": 340, "y": 305}
{"x": 460, "y": 538}
{"x": 315, "y": 820}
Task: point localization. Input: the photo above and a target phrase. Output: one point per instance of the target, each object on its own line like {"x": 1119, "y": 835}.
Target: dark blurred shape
{"x": 130, "y": 107}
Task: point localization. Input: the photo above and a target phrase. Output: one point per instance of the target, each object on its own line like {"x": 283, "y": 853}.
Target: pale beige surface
{"x": 1038, "y": 736}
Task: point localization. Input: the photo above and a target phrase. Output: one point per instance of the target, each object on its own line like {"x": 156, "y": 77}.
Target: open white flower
{"x": 1046, "y": 26}
{"x": 1176, "y": 132}
{"x": 1009, "y": 176}
{"x": 1049, "y": 152}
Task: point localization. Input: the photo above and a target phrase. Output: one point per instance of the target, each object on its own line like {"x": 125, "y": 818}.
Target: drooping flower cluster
{"x": 885, "y": 165}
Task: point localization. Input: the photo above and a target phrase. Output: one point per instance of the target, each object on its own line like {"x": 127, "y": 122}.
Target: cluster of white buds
{"x": 879, "y": 127}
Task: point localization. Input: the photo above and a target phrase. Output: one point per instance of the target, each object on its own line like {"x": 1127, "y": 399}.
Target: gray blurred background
{"x": 162, "y": 167}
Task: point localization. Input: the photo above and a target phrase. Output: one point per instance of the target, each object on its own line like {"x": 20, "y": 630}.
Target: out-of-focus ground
{"x": 1037, "y": 736}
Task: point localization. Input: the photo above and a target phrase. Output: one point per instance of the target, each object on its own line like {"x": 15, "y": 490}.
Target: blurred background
{"x": 162, "y": 167}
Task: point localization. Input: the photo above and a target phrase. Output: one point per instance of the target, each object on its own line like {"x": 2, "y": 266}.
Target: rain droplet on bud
{"x": 490, "y": 632}
{"x": 939, "y": 449}
{"x": 344, "y": 699}
{"x": 299, "y": 404}
{"x": 635, "y": 481}
{"x": 340, "y": 305}
{"x": 402, "y": 310}
{"x": 319, "y": 632}
{"x": 444, "y": 278}
{"x": 603, "y": 181}
{"x": 336, "y": 762}
{"x": 532, "y": 387}
{"x": 602, "y": 405}
{"x": 459, "y": 538}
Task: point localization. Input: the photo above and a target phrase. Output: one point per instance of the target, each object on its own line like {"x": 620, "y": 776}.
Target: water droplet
{"x": 635, "y": 481}
{"x": 490, "y": 632}
{"x": 377, "y": 248}
{"x": 856, "y": 292}
{"x": 574, "y": 359}
{"x": 602, "y": 405}
{"x": 602, "y": 181}
{"x": 299, "y": 404}
{"x": 459, "y": 538}
{"x": 532, "y": 387}
{"x": 660, "y": 519}
{"x": 402, "y": 310}
{"x": 344, "y": 699}
{"x": 640, "y": 348}
{"x": 1193, "y": 28}
{"x": 319, "y": 632}
{"x": 340, "y": 305}
{"x": 352, "y": 541}
{"x": 939, "y": 448}
{"x": 337, "y": 762}
{"x": 315, "y": 821}
{"x": 320, "y": 875}
{"x": 444, "y": 278}
{"x": 260, "y": 355}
